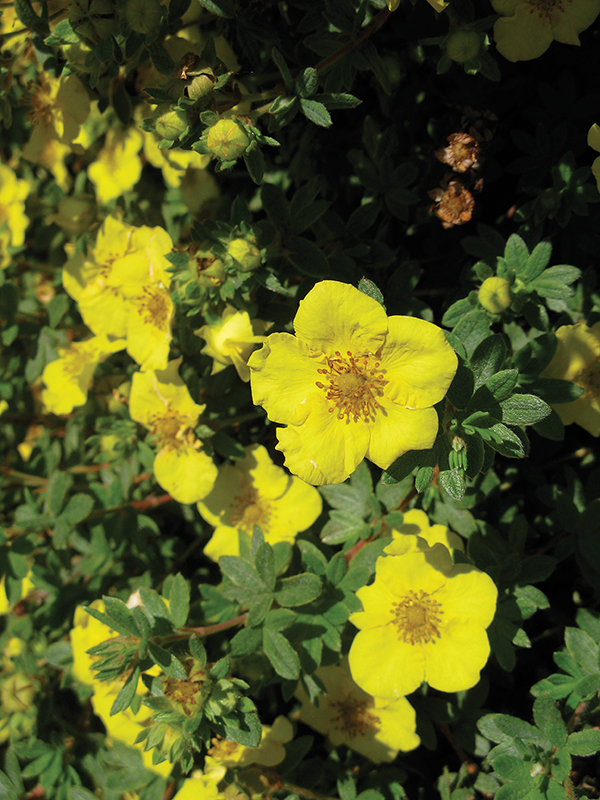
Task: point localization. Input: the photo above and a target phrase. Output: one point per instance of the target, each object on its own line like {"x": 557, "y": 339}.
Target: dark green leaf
{"x": 168, "y": 662}
{"x": 502, "y": 384}
{"x": 370, "y": 289}
{"x": 315, "y": 112}
{"x": 241, "y": 573}
{"x": 179, "y": 600}
{"x": 281, "y": 654}
{"x": 297, "y": 590}
{"x": 548, "y": 719}
{"x": 488, "y": 358}
{"x": 125, "y": 697}
{"x": 524, "y": 409}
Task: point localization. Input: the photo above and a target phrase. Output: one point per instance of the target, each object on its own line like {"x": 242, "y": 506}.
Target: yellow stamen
{"x": 352, "y": 717}
{"x": 354, "y": 384}
{"x": 153, "y": 305}
{"x": 417, "y": 618}
{"x": 249, "y": 509}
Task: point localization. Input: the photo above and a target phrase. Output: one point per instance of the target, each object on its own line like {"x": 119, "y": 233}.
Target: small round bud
{"x": 463, "y": 45}
{"x": 227, "y": 140}
{"x": 170, "y": 123}
{"x": 143, "y": 16}
{"x": 75, "y": 214}
{"x": 201, "y": 85}
{"x": 495, "y": 295}
{"x": 245, "y": 252}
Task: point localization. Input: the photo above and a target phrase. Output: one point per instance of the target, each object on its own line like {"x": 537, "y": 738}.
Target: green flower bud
{"x": 495, "y": 295}
{"x": 227, "y": 140}
{"x": 463, "y": 45}
{"x": 201, "y": 85}
{"x": 170, "y": 123}
{"x": 210, "y": 271}
{"x": 245, "y": 252}
{"x": 75, "y": 214}
{"x": 92, "y": 19}
{"x": 143, "y": 16}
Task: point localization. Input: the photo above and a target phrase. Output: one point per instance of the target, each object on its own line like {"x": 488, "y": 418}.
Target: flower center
{"x": 222, "y": 750}
{"x": 170, "y": 429}
{"x": 352, "y": 717}
{"x": 417, "y": 618}
{"x": 590, "y": 379}
{"x": 153, "y": 306}
{"x": 75, "y": 360}
{"x": 355, "y": 383}
{"x": 249, "y": 509}
{"x": 547, "y": 8}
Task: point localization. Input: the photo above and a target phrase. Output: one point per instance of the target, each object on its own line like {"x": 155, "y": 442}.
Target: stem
{"x": 374, "y": 25}
{"x": 206, "y": 630}
{"x": 23, "y": 477}
{"x": 577, "y": 714}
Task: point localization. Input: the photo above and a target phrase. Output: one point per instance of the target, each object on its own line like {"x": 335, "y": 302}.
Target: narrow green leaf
{"x": 281, "y": 654}
{"x": 168, "y": 662}
{"x": 179, "y": 600}
{"x": 117, "y": 610}
{"x": 264, "y": 561}
{"x": 315, "y": 112}
{"x": 124, "y": 698}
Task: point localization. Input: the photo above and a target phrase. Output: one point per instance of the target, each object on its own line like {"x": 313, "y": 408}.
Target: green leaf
{"x": 117, "y": 610}
{"x": 241, "y": 573}
{"x": 453, "y": 481}
{"x": 283, "y": 69}
{"x": 93, "y": 612}
{"x": 339, "y": 100}
{"x": 584, "y": 743}
{"x": 281, "y": 654}
{"x": 504, "y": 728}
{"x": 168, "y": 662}
{"x": 537, "y": 262}
{"x": 554, "y": 390}
{"x": 29, "y": 18}
{"x": 245, "y": 641}
{"x": 516, "y": 254}
{"x": 297, "y": 590}
{"x": 548, "y": 719}
{"x": 227, "y": 446}
{"x": 561, "y": 764}
{"x": 583, "y": 649}
{"x": 255, "y": 164}
{"x": 402, "y": 467}
{"x": 56, "y": 490}
{"x": 524, "y": 409}
{"x": 179, "y": 601}
{"x": 512, "y": 768}
{"x": 125, "y": 697}
{"x": 488, "y": 358}
{"x": 307, "y": 257}
{"x": 370, "y": 289}
{"x": 280, "y": 618}
{"x": 57, "y": 308}
{"x": 315, "y": 112}
{"x": 461, "y": 388}
{"x": 78, "y": 508}
{"x": 264, "y": 561}
{"x": 307, "y": 82}
{"x": 516, "y": 790}
{"x": 472, "y": 329}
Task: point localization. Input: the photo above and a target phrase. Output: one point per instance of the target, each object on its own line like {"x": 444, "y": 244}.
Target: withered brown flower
{"x": 461, "y": 154}
{"x": 453, "y": 204}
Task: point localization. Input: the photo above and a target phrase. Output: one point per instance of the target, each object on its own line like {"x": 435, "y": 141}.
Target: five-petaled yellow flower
{"x": 424, "y": 619}
{"x": 160, "y": 400}
{"x": 374, "y": 727}
{"x": 527, "y": 28}
{"x": 352, "y": 383}
{"x": 254, "y": 491}
{"x": 118, "y": 166}
{"x": 68, "y": 378}
{"x": 577, "y": 359}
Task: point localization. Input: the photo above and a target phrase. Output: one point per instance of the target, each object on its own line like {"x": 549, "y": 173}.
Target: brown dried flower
{"x": 453, "y": 204}
{"x": 461, "y": 154}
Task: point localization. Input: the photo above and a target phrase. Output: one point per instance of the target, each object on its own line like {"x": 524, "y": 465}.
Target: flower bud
{"x": 201, "y": 85}
{"x": 495, "y": 295}
{"x": 75, "y": 214}
{"x": 245, "y": 252}
{"x": 227, "y": 140}
{"x": 463, "y": 45}
{"x": 143, "y": 16}
{"x": 170, "y": 123}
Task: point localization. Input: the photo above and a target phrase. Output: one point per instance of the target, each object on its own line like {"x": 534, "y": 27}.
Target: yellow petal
{"x": 149, "y": 328}
{"x": 336, "y": 316}
{"x": 224, "y": 542}
{"x": 384, "y": 665}
{"x": 216, "y": 507}
{"x": 186, "y": 474}
{"x": 397, "y": 430}
{"x": 283, "y": 378}
{"x": 154, "y": 392}
{"x": 325, "y": 449}
{"x": 576, "y": 16}
{"x": 454, "y": 661}
{"x": 294, "y": 511}
{"x": 468, "y": 594}
{"x": 104, "y": 309}
{"x": 419, "y": 363}
{"x": 524, "y": 36}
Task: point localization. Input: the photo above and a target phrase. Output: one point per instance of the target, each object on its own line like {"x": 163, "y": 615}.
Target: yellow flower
{"x": 594, "y": 141}
{"x": 87, "y": 632}
{"x": 254, "y": 491}
{"x": 352, "y": 383}
{"x": 416, "y": 533}
{"x": 226, "y": 754}
{"x": 232, "y": 340}
{"x": 375, "y": 728}
{"x": 527, "y": 28}
{"x": 577, "y": 359}
{"x": 121, "y": 289}
{"x": 160, "y": 400}
{"x": 68, "y": 378}
{"x": 424, "y": 619}
{"x": 26, "y": 587}
{"x": 199, "y": 787}
{"x": 13, "y": 220}
{"x": 118, "y": 166}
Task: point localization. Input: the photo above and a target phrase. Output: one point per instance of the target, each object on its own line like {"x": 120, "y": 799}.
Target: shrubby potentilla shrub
{"x": 298, "y": 303}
